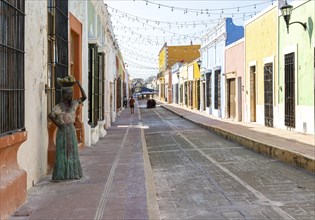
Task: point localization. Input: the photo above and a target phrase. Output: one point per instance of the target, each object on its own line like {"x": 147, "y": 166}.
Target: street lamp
{"x": 286, "y": 11}
{"x": 199, "y": 62}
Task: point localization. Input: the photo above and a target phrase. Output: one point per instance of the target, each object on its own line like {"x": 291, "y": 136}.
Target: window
{"x": 118, "y": 93}
{"x": 93, "y": 97}
{"x": 289, "y": 94}
{"x": 268, "y": 94}
{"x": 217, "y": 89}
{"x": 101, "y": 61}
{"x": 208, "y": 89}
{"x": 57, "y": 49}
{"x": 12, "y": 97}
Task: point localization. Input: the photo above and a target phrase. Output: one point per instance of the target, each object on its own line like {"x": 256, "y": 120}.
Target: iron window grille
{"x": 101, "y": 57}
{"x": 289, "y": 95}
{"x": 186, "y": 92}
{"x": 12, "y": 91}
{"x": 57, "y": 49}
{"x": 119, "y": 93}
{"x": 93, "y": 97}
{"x": 181, "y": 94}
{"x": 268, "y": 94}
{"x": 208, "y": 89}
{"x": 217, "y": 89}
{"x": 198, "y": 94}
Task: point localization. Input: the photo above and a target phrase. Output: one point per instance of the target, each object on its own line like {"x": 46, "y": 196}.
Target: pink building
{"x": 234, "y": 80}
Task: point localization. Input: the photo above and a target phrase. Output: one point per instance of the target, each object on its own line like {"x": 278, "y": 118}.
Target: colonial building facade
{"x": 71, "y": 38}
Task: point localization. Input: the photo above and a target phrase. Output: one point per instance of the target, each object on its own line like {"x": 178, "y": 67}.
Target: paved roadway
{"x": 199, "y": 175}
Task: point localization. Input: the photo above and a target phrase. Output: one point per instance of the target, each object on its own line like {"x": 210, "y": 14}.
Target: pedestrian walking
{"x": 125, "y": 102}
{"x": 67, "y": 164}
{"x": 132, "y": 105}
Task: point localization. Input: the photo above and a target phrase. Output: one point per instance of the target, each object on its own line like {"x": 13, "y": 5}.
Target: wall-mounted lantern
{"x": 199, "y": 62}
{"x": 286, "y": 11}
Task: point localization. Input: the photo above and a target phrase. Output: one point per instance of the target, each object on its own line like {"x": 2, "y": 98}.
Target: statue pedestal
{"x": 13, "y": 190}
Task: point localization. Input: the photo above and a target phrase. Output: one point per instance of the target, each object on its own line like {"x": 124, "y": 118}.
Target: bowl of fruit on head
{"x": 68, "y": 81}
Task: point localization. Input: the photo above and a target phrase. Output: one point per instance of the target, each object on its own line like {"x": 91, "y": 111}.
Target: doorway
{"x": 252, "y": 94}
{"x": 231, "y": 98}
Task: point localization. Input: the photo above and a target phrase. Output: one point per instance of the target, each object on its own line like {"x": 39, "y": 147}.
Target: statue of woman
{"x": 67, "y": 164}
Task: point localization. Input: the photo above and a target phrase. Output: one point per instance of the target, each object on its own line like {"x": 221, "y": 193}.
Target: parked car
{"x": 151, "y": 103}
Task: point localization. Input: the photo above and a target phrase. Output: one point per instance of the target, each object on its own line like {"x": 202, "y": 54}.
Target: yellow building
{"x": 168, "y": 56}
{"x": 261, "y": 67}
{"x": 196, "y": 85}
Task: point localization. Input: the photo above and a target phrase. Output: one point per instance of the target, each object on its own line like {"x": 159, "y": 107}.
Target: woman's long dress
{"x": 67, "y": 165}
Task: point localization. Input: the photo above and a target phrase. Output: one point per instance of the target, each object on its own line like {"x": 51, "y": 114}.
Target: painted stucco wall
{"x": 235, "y": 32}
{"x": 212, "y": 50}
{"x": 32, "y": 155}
{"x": 162, "y": 59}
{"x": 234, "y": 58}
{"x": 234, "y": 62}
{"x": 99, "y": 32}
{"x": 79, "y": 10}
{"x": 186, "y": 53}
{"x": 260, "y": 46}
{"x": 302, "y": 43}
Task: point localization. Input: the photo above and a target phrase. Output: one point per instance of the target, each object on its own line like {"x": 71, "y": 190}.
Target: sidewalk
{"x": 287, "y": 146}
{"x": 117, "y": 182}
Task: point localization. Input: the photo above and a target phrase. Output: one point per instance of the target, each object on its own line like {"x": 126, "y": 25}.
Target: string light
{"x": 133, "y": 17}
{"x": 194, "y": 10}
{"x": 137, "y": 60}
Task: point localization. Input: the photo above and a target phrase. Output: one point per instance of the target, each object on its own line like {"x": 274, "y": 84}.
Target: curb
{"x": 287, "y": 156}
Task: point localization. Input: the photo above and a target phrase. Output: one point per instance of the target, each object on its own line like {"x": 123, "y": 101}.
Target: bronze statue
{"x": 67, "y": 164}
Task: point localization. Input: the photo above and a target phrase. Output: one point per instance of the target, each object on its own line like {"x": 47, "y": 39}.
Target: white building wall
{"x": 107, "y": 85}
{"x": 32, "y": 155}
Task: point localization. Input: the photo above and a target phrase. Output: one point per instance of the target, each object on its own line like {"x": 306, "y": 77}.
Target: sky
{"x": 141, "y": 27}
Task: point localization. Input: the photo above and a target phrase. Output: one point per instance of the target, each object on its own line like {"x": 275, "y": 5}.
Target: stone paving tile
{"x": 199, "y": 179}
{"x": 113, "y": 182}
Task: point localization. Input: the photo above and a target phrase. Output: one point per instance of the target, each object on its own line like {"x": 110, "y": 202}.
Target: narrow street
{"x": 154, "y": 164}
{"x": 199, "y": 175}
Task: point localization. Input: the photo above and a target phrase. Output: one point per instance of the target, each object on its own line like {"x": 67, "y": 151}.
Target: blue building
{"x": 212, "y": 55}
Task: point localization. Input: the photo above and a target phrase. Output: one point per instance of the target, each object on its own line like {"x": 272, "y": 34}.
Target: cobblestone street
{"x": 199, "y": 175}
